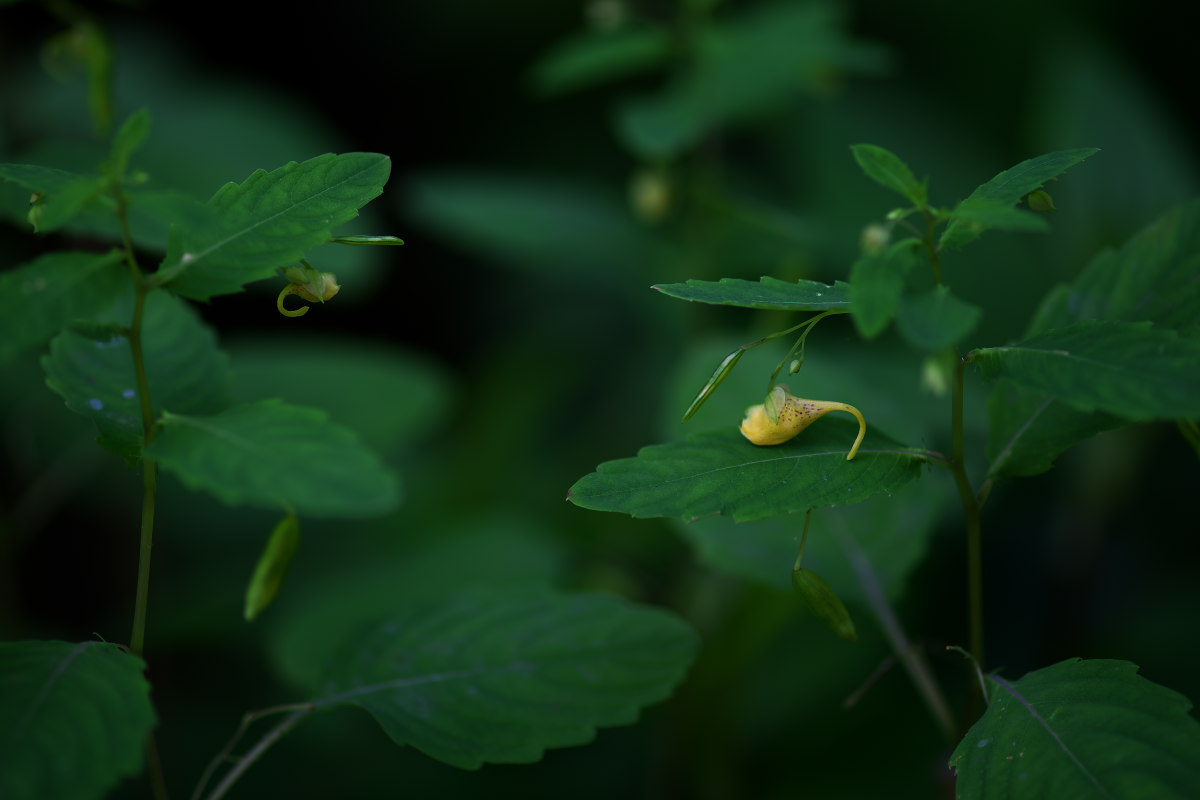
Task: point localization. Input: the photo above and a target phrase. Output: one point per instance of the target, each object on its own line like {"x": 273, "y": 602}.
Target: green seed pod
{"x": 272, "y": 566}
{"x": 824, "y": 602}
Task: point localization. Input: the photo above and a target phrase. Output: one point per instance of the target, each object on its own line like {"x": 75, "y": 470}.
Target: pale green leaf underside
{"x": 270, "y": 220}
{"x": 502, "y": 676}
{"x": 96, "y": 378}
{"x": 1130, "y": 370}
{"x": 277, "y": 456}
{"x": 74, "y": 718}
{"x": 768, "y": 293}
{"x": 1008, "y": 188}
{"x": 1080, "y": 729}
{"x": 934, "y": 320}
{"x": 40, "y": 298}
{"x": 876, "y": 286}
{"x": 719, "y": 472}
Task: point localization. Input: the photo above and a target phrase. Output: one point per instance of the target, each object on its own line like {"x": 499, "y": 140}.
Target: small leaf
{"x": 719, "y": 472}
{"x": 271, "y": 219}
{"x": 1080, "y": 729}
{"x": 768, "y": 293}
{"x": 271, "y": 455}
{"x": 40, "y": 298}
{"x": 74, "y": 719}
{"x": 272, "y": 566}
{"x": 1008, "y": 188}
{"x": 60, "y": 195}
{"x": 876, "y": 285}
{"x": 935, "y": 320}
{"x": 1131, "y": 370}
{"x": 980, "y": 214}
{"x": 823, "y": 601}
{"x": 93, "y": 371}
{"x": 886, "y": 169}
{"x": 128, "y": 141}
{"x": 718, "y": 377}
{"x": 500, "y": 677}
{"x": 598, "y": 57}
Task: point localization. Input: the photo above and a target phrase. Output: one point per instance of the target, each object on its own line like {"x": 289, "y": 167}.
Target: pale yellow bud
{"x": 784, "y": 415}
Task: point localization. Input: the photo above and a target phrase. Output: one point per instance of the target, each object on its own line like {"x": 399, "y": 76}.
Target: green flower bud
{"x": 1040, "y": 200}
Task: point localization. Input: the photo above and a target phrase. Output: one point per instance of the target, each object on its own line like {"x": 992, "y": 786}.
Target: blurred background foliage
{"x": 551, "y": 161}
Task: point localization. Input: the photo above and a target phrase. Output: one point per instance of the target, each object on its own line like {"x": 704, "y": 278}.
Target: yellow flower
{"x": 784, "y": 415}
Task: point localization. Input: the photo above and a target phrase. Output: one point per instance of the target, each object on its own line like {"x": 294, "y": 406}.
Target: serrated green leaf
{"x": 1152, "y": 277}
{"x": 768, "y": 293}
{"x": 501, "y": 677}
{"x": 272, "y": 567}
{"x": 877, "y": 284}
{"x": 934, "y": 320}
{"x": 719, "y": 472}
{"x": 1009, "y": 187}
{"x": 272, "y": 219}
{"x": 59, "y": 195}
{"x": 74, "y": 718}
{"x": 1130, "y": 370}
{"x": 1080, "y": 729}
{"x": 886, "y": 169}
{"x": 272, "y": 455}
{"x": 596, "y": 57}
{"x": 40, "y": 298}
{"x": 93, "y": 371}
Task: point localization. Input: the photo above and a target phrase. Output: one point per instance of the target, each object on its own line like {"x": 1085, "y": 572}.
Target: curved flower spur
{"x": 784, "y": 415}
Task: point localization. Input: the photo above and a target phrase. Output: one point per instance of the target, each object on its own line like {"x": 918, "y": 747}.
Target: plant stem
{"x": 275, "y": 734}
{"x": 935, "y": 260}
{"x": 970, "y": 504}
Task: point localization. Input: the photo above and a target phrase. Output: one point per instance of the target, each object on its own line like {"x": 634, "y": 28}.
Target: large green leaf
{"x": 1007, "y": 189}
{"x": 598, "y": 56}
{"x": 309, "y": 627}
{"x": 277, "y": 456}
{"x": 92, "y": 368}
{"x": 768, "y": 293}
{"x": 1151, "y": 278}
{"x": 891, "y": 533}
{"x": 885, "y": 168}
{"x": 74, "y": 718}
{"x": 40, "y": 298}
{"x": 1080, "y": 729}
{"x": 719, "y": 472}
{"x": 1130, "y": 370}
{"x": 272, "y": 219}
{"x": 502, "y": 676}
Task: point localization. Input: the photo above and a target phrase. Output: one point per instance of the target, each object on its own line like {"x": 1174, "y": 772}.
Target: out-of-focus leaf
{"x": 886, "y": 169}
{"x": 502, "y": 676}
{"x": 308, "y": 628}
{"x": 58, "y": 195}
{"x": 93, "y": 371}
{"x": 529, "y": 222}
{"x": 272, "y": 566}
{"x": 1130, "y": 370}
{"x": 934, "y": 320}
{"x": 74, "y": 718}
{"x": 271, "y": 455}
{"x": 719, "y": 472}
{"x": 131, "y": 136}
{"x": 596, "y": 57}
{"x": 1006, "y": 189}
{"x": 40, "y": 298}
{"x": 1085, "y": 729}
{"x": 387, "y": 396}
{"x": 768, "y": 293}
{"x": 877, "y": 284}
{"x": 979, "y": 214}
{"x": 272, "y": 219}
